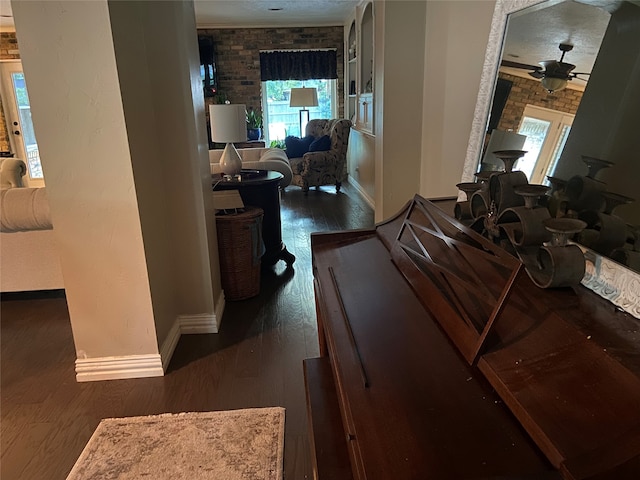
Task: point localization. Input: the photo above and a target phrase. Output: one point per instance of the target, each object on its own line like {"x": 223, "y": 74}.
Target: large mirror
{"x": 595, "y": 114}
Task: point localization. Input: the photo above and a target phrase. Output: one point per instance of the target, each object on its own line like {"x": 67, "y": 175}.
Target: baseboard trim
{"x": 117, "y": 368}
{"x": 191, "y": 324}
{"x": 151, "y": 365}
{"x": 169, "y": 344}
{"x": 198, "y": 323}
{"x": 352, "y": 181}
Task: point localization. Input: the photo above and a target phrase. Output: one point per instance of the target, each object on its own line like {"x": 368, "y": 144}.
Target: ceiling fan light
{"x": 552, "y": 84}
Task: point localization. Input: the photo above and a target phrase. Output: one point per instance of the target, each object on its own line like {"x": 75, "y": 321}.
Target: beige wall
{"x": 124, "y": 151}
{"x": 428, "y": 61}
{"x": 456, "y": 41}
{"x": 399, "y": 63}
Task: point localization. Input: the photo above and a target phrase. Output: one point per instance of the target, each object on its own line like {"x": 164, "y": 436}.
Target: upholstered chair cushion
{"x": 316, "y": 168}
{"x": 297, "y": 147}
{"x": 321, "y": 144}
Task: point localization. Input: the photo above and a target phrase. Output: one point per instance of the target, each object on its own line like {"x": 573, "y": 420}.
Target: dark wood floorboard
{"x": 255, "y": 360}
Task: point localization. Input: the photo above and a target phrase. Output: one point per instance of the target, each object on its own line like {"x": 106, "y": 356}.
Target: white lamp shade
{"x": 303, "y": 97}
{"x": 552, "y": 84}
{"x": 228, "y": 123}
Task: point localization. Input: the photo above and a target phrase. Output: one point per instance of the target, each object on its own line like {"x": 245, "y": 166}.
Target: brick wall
{"x": 238, "y": 57}
{"x": 8, "y": 51}
{"x": 529, "y": 92}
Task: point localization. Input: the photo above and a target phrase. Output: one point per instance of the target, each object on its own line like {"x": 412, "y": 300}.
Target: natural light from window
{"x": 280, "y": 120}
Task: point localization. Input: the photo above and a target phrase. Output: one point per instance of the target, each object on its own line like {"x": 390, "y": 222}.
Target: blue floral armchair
{"x": 323, "y": 168}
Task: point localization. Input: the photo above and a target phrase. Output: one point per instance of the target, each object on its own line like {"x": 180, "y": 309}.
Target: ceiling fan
{"x": 554, "y": 74}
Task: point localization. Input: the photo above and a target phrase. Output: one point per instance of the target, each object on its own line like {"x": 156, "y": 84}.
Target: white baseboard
{"x": 352, "y": 181}
{"x": 198, "y": 323}
{"x": 191, "y": 324}
{"x": 117, "y": 368}
{"x": 152, "y": 365}
{"x": 169, "y": 344}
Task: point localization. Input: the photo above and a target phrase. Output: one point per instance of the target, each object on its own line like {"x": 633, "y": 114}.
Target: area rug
{"x": 225, "y": 445}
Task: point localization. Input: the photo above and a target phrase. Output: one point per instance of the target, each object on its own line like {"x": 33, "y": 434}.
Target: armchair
{"x": 323, "y": 168}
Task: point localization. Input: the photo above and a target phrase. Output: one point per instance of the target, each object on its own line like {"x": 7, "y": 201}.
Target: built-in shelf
{"x": 359, "y": 69}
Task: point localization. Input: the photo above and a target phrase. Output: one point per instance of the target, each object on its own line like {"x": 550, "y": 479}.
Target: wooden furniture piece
{"x": 259, "y": 188}
{"x": 247, "y": 144}
{"x": 440, "y": 359}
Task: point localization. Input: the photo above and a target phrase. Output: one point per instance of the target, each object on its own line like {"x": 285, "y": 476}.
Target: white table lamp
{"x": 303, "y": 97}
{"x": 228, "y": 125}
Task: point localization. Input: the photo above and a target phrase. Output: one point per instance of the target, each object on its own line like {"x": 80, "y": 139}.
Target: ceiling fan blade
{"x": 524, "y": 66}
{"x": 537, "y": 74}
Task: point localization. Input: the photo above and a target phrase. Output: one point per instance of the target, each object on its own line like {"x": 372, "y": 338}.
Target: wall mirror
{"x": 604, "y": 124}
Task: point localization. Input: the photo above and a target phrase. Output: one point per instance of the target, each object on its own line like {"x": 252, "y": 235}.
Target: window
{"x": 280, "y": 71}
{"x": 280, "y": 120}
{"x": 546, "y": 131}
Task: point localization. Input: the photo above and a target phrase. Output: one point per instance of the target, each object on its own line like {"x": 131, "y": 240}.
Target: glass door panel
{"x": 536, "y": 131}
{"x": 17, "y": 110}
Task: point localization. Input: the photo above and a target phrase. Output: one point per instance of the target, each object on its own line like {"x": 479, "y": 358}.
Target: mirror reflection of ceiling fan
{"x": 553, "y": 74}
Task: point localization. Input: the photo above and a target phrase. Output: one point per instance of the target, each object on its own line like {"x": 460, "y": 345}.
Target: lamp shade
{"x": 228, "y": 123}
{"x": 303, "y": 97}
{"x": 552, "y": 84}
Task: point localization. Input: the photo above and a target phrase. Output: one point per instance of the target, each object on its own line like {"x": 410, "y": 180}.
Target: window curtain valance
{"x": 298, "y": 65}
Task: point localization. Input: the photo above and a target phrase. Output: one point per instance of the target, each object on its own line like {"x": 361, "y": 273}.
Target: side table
{"x": 259, "y": 188}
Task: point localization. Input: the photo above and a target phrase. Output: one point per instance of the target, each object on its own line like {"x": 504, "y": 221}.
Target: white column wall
{"x": 156, "y": 52}
{"x": 455, "y": 46}
{"x": 126, "y": 164}
{"x": 399, "y": 64}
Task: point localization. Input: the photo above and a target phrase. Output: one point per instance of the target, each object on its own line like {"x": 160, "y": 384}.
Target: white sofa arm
{"x": 258, "y": 159}
{"x": 11, "y": 172}
{"x": 24, "y": 209}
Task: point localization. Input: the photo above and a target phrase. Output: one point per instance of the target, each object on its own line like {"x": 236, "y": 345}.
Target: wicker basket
{"x": 240, "y": 248}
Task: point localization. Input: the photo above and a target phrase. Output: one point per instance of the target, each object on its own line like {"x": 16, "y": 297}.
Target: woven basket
{"x": 240, "y": 248}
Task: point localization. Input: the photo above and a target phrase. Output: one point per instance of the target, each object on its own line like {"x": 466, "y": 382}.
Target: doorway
{"x": 547, "y": 131}
{"x": 17, "y": 111}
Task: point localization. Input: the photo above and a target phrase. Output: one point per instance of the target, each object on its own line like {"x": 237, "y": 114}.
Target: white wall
{"x": 455, "y": 45}
{"x": 399, "y": 64}
{"x": 156, "y": 52}
{"x": 428, "y": 61}
{"x": 124, "y": 152}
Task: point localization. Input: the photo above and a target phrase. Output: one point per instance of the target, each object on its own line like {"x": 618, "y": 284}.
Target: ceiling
{"x": 535, "y": 34}
{"x": 253, "y": 13}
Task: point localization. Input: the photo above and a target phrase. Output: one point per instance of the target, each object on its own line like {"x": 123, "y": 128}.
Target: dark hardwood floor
{"x": 255, "y": 360}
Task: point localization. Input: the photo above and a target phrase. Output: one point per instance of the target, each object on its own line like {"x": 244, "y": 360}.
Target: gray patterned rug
{"x": 226, "y": 445}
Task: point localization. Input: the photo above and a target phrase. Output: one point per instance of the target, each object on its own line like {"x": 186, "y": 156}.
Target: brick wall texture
{"x": 237, "y": 53}
{"x": 529, "y": 92}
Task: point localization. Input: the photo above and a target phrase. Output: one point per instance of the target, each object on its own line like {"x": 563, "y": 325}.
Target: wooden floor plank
{"x": 255, "y": 360}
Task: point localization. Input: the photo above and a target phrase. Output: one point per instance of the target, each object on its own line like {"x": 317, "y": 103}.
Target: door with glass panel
{"x": 17, "y": 112}
{"x": 546, "y": 131}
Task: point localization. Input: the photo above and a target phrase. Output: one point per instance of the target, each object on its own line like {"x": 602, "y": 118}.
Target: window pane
{"x": 557, "y": 152}
{"x": 536, "y": 132}
{"x": 28, "y": 135}
{"x": 280, "y": 120}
